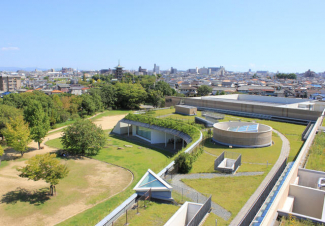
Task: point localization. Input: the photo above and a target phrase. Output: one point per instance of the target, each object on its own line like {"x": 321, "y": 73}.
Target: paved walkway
{"x": 194, "y": 195}
{"x": 284, "y": 154}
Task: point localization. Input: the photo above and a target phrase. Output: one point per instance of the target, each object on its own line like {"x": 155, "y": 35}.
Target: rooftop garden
{"x": 316, "y": 156}
{"x": 190, "y": 130}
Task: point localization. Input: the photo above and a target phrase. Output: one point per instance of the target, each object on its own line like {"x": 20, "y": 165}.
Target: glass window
{"x": 143, "y": 132}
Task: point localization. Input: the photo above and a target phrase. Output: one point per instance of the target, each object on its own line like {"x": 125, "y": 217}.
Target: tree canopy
{"x": 286, "y": 76}
{"x": 44, "y": 167}
{"x": 130, "y": 96}
{"x": 83, "y": 137}
{"x": 204, "y": 90}
{"x": 1, "y": 153}
{"x": 38, "y": 121}
{"x": 17, "y": 134}
{"x": 7, "y": 111}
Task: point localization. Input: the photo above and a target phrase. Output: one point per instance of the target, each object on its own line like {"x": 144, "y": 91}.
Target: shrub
{"x": 184, "y": 163}
{"x": 75, "y": 117}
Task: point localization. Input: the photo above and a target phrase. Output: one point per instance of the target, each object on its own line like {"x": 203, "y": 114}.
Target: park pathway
{"x": 285, "y": 150}
{"x": 195, "y": 196}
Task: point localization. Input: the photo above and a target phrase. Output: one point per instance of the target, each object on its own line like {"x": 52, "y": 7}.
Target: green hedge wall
{"x": 192, "y": 131}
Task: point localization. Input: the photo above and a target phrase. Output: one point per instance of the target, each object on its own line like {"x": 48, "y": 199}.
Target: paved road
{"x": 194, "y": 195}
{"x": 284, "y": 154}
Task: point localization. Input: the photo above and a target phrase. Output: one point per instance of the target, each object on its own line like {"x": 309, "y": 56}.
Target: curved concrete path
{"x": 194, "y": 195}
{"x": 285, "y": 150}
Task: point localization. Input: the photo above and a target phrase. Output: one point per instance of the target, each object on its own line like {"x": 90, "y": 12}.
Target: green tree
{"x": 108, "y": 95}
{"x": 14, "y": 99}
{"x": 204, "y": 90}
{"x": 1, "y": 153}
{"x": 164, "y": 87}
{"x": 184, "y": 163}
{"x": 83, "y": 137}
{"x": 95, "y": 94}
{"x": 88, "y": 105}
{"x": 156, "y": 98}
{"x": 17, "y": 134}
{"x": 44, "y": 167}
{"x": 7, "y": 111}
{"x": 38, "y": 121}
{"x": 130, "y": 96}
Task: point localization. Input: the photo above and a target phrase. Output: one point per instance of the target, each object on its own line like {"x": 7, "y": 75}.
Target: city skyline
{"x": 277, "y": 36}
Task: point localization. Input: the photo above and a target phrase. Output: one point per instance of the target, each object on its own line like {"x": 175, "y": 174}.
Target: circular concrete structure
{"x": 242, "y": 134}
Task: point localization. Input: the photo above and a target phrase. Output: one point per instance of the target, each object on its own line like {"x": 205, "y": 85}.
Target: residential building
{"x": 10, "y": 83}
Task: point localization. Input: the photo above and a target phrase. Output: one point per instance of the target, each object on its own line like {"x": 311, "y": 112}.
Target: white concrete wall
{"x": 121, "y": 128}
{"x": 157, "y": 137}
{"x": 179, "y": 218}
{"x": 280, "y": 100}
{"x": 192, "y": 209}
{"x": 279, "y": 201}
{"x": 307, "y": 201}
{"x": 309, "y": 178}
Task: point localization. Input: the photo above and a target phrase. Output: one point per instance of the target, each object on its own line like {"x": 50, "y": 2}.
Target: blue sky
{"x": 286, "y": 35}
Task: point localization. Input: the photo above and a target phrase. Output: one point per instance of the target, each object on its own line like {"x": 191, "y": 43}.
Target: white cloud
{"x": 9, "y": 48}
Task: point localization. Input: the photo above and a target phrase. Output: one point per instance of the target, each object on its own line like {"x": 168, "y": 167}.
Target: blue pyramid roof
{"x": 152, "y": 181}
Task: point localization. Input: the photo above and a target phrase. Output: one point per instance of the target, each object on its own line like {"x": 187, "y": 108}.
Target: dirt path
{"x": 109, "y": 181}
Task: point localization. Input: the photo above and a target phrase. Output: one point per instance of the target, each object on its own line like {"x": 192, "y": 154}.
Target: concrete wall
{"x": 122, "y": 128}
{"x": 280, "y": 199}
{"x": 179, "y": 218}
{"x": 185, "y": 110}
{"x": 184, "y": 214}
{"x": 241, "y": 139}
{"x": 246, "y": 107}
{"x": 307, "y": 201}
{"x": 192, "y": 209}
{"x": 309, "y": 178}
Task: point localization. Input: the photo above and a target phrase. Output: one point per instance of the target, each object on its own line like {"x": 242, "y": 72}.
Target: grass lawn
{"x": 163, "y": 112}
{"x": 138, "y": 159}
{"x": 154, "y": 214}
{"x": 291, "y": 131}
{"x": 3, "y": 164}
{"x": 211, "y": 220}
{"x": 110, "y": 113}
{"x": 229, "y": 192}
{"x": 205, "y": 163}
{"x": 74, "y": 193}
{"x": 316, "y": 156}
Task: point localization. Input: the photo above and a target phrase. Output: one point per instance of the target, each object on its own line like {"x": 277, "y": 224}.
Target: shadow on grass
{"x": 143, "y": 144}
{"x": 36, "y": 197}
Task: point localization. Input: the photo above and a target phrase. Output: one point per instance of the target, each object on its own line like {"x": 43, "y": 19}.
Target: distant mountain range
{"x": 14, "y": 69}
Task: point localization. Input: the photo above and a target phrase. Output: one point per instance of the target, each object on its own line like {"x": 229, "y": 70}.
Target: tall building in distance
{"x": 10, "y": 83}
{"x": 156, "y": 69}
{"x": 173, "y": 70}
{"x": 119, "y": 71}
{"x": 144, "y": 71}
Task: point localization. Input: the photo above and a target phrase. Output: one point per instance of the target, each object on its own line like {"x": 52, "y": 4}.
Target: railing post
{"x": 182, "y": 194}
{"x": 126, "y": 214}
